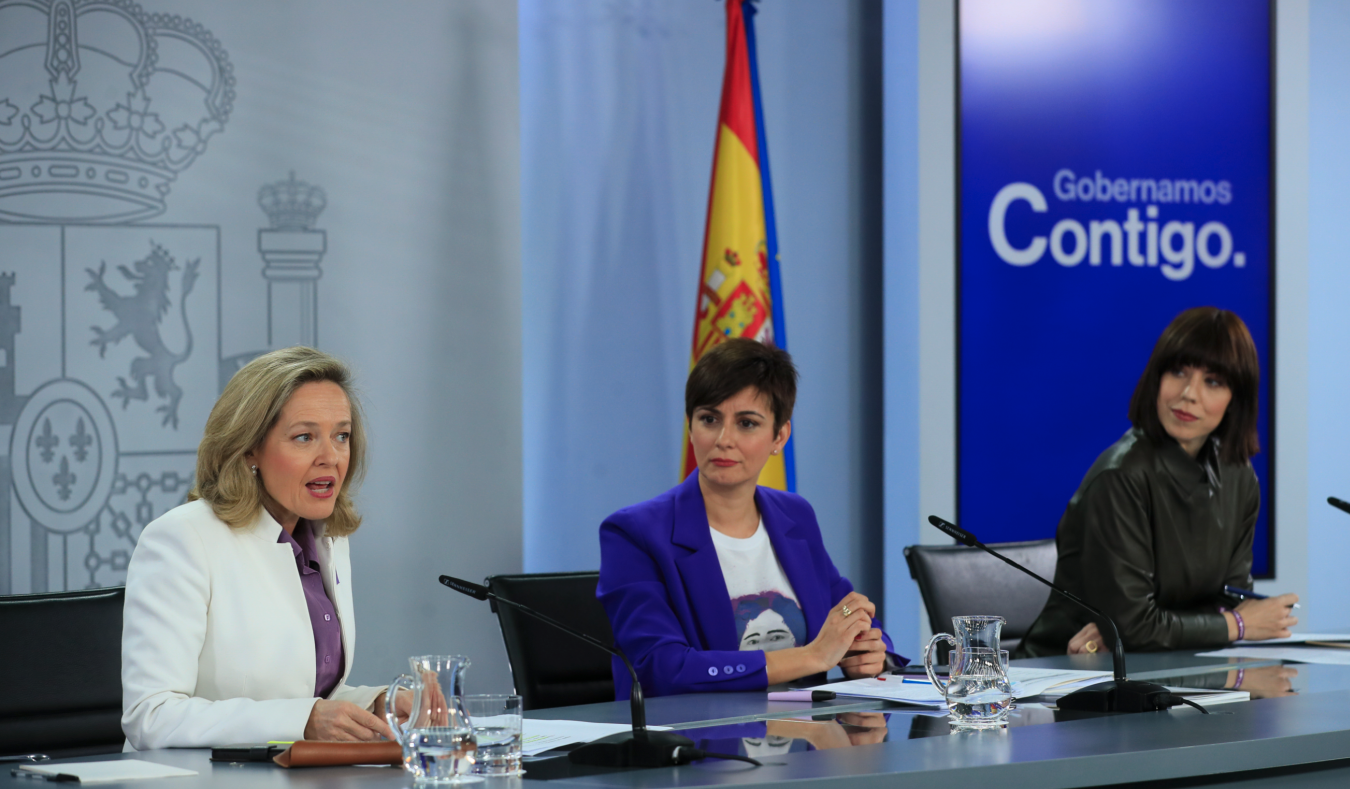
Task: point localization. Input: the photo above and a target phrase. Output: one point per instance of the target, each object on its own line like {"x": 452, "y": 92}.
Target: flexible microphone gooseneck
{"x": 638, "y": 748}
{"x": 1343, "y": 506}
{"x": 1121, "y": 694}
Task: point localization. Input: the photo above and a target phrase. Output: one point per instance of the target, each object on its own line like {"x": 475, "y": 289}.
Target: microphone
{"x": 1343, "y": 506}
{"x": 638, "y": 748}
{"x": 1120, "y": 694}
{"x": 476, "y": 591}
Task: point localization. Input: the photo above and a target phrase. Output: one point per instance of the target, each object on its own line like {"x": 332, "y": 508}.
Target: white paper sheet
{"x": 1207, "y": 697}
{"x": 893, "y": 687}
{"x": 919, "y": 691}
{"x": 538, "y": 735}
{"x": 107, "y": 772}
{"x": 1298, "y": 638}
{"x": 1329, "y": 655}
{"x": 1029, "y": 682}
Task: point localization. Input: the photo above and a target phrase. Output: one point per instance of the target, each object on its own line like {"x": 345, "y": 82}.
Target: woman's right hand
{"x": 1086, "y": 641}
{"x": 343, "y": 721}
{"x": 1264, "y": 619}
{"x": 837, "y": 635}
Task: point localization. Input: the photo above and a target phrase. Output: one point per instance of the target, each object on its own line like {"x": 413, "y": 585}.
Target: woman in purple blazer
{"x": 718, "y": 583}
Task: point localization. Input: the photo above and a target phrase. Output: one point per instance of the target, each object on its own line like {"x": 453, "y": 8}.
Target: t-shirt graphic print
{"x": 768, "y": 616}
{"x": 769, "y": 621}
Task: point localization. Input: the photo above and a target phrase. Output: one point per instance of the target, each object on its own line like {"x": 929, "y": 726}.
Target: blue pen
{"x": 1247, "y": 593}
{"x": 916, "y": 680}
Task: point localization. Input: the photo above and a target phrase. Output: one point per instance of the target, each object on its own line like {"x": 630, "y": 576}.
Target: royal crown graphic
{"x": 292, "y": 204}
{"x": 103, "y": 106}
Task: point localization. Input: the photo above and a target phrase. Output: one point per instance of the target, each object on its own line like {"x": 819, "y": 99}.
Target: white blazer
{"x": 217, "y": 645}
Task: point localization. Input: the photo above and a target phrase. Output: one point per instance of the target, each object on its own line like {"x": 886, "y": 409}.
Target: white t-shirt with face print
{"x": 768, "y": 616}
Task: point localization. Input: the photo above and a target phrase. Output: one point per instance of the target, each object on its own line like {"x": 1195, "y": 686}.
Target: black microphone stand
{"x": 1120, "y": 694}
{"x": 638, "y": 748}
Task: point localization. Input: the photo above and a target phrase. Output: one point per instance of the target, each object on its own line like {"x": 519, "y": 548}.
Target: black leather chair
{"x": 61, "y": 673}
{"x": 959, "y": 581}
{"x": 551, "y": 668}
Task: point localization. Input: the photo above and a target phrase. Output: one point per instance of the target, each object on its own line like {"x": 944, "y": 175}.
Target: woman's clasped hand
{"x": 848, "y": 640}
{"x": 865, "y": 654}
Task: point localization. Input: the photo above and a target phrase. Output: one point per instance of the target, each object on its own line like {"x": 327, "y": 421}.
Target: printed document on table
{"x": 1298, "y": 638}
{"x": 1207, "y": 697}
{"x": 106, "y": 772}
{"x": 1026, "y": 682}
{"x": 890, "y": 688}
{"x": 1029, "y": 682}
{"x": 1328, "y": 656}
{"x": 538, "y": 736}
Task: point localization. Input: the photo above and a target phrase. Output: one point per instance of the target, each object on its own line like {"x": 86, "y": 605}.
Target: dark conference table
{"x": 1300, "y": 741}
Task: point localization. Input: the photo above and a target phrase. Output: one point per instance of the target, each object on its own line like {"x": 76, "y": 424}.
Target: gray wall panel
{"x": 406, "y": 117}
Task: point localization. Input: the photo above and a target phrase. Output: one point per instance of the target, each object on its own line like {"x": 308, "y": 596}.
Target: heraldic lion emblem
{"x": 139, "y": 315}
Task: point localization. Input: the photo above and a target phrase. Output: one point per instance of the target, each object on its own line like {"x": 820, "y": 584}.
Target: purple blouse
{"x": 328, "y": 654}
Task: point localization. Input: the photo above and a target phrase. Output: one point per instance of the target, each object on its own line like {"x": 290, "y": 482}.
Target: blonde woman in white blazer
{"x": 228, "y": 633}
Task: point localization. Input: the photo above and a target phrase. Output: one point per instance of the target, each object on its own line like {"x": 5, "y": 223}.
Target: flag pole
{"x": 770, "y": 222}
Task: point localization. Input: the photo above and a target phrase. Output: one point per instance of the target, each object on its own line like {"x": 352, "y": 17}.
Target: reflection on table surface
{"x": 842, "y": 730}
{"x": 1262, "y": 683}
{"x": 1021, "y": 714}
{"x": 1265, "y": 682}
{"x": 769, "y": 738}
{"x": 849, "y": 729}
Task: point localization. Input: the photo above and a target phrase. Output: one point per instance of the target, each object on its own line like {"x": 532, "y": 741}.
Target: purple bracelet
{"x": 1238, "y": 684}
{"x": 1242, "y": 626}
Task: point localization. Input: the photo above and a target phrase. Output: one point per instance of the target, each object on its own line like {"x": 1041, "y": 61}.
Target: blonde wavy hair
{"x": 246, "y": 411}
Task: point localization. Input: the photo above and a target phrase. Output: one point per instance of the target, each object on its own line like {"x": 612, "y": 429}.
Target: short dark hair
{"x": 736, "y": 363}
{"x": 1218, "y": 341}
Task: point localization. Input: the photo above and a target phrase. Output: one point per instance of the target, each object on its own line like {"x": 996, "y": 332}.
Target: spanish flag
{"x": 739, "y": 294}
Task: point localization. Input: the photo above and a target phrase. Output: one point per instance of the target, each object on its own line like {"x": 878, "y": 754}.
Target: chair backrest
{"x": 959, "y": 581}
{"x": 552, "y": 668}
{"x": 61, "y": 673}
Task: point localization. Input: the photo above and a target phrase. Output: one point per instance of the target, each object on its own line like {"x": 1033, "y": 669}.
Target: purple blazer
{"x": 662, "y": 587}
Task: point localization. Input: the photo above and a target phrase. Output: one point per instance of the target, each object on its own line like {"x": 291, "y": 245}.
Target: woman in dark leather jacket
{"x": 1164, "y": 519}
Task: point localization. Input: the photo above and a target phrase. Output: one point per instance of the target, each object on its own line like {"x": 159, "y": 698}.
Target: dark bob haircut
{"x": 736, "y": 363}
{"x": 1218, "y": 341}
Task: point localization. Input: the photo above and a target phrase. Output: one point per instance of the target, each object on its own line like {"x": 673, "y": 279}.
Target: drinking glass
{"x": 497, "y": 729}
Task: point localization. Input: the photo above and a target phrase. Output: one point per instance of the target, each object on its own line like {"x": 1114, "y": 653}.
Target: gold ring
{"x": 847, "y": 612}
{"x": 1091, "y": 646}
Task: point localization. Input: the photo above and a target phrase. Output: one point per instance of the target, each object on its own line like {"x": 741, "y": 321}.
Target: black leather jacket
{"x": 1151, "y": 537}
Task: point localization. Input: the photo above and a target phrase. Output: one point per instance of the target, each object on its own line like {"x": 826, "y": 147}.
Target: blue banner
{"x": 1114, "y": 170}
